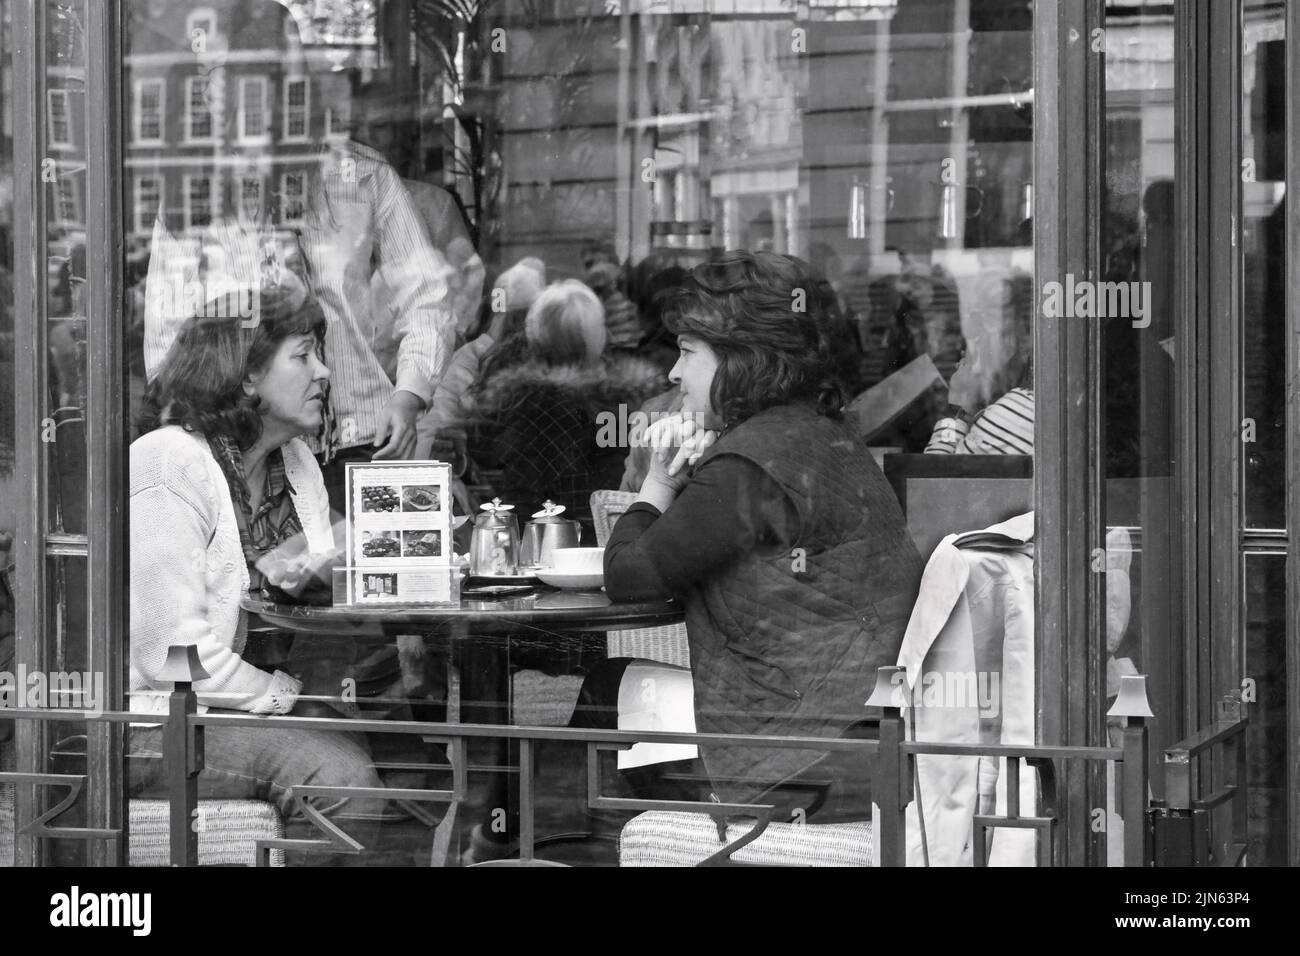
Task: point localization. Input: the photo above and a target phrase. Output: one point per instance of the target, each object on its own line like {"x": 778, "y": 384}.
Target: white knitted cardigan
{"x": 188, "y": 571}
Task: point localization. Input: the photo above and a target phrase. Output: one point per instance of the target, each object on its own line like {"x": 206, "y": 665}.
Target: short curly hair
{"x": 767, "y": 318}
{"x": 200, "y": 383}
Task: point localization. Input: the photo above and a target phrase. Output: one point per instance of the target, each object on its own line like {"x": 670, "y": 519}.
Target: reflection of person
{"x": 784, "y": 543}
{"x": 350, "y": 216}
{"x": 514, "y": 290}
{"x": 220, "y": 477}
{"x": 384, "y": 123}
{"x": 1005, "y": 426}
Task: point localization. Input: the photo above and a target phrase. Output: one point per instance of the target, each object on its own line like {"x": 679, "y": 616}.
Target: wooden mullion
{"x": 1292, "y": 339}
{"x": 107, "y": 486}
{"x": 30, "y": 391}
{"x": 1066, "y": 114}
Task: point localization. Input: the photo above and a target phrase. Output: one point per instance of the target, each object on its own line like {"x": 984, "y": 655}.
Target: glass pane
{"x": 522, "y": 183}
{"x": 1265, "y": 664}
{"x": 1139, "y": 225}
{"x": 8, "y": 491}
{"x": 1263, "y": 150}
{"x": 1264, "y": 396}
{"x": 63, "y": 182}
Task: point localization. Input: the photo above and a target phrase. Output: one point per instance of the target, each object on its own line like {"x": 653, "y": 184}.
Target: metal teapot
{"x": 546, "y": 532}
{"x": 494, "y": 546}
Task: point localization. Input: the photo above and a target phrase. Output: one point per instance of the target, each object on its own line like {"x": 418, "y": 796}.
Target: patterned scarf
{"x": 276, "y": 520}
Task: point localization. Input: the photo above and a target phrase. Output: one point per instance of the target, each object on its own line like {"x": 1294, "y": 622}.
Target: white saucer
{"x": 572, "y": 580}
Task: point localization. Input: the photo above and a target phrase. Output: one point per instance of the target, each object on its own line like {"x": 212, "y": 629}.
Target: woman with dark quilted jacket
{"x": 764, "y": 514}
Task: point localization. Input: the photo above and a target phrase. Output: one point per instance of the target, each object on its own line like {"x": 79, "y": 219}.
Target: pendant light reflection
{"x": 948, "y": 222}
{"x": 857, "y": 210}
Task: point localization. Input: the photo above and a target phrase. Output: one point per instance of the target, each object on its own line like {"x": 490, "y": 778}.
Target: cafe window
{"x": 254, "y": 113}
{"x": 297, "y": 109}
{"x": 198, "y": 111}
{"x": 149, "y": 111}
{"x": 594, "y": 160}
{"x": 523, "y": 193}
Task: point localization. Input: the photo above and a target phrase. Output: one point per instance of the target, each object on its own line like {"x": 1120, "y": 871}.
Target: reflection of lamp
{"x": 857, "y": 210}
{"x": 948, "y": 222}
{"x": 1027, "y": 202}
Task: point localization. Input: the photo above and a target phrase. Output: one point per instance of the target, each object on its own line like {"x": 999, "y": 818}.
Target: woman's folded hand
{"x": 293, "y": 574}
{"x": 676, "y": 443}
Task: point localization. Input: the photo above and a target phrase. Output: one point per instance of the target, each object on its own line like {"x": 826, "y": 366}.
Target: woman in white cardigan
{"x": 219, "y": 477}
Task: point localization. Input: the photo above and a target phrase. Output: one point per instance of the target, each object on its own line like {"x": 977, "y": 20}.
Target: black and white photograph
{"x": 422, "y": 544}
{"x": 380, "y": 498}
{"x": 655, "y": 433}
{"x": 421, "y": 498}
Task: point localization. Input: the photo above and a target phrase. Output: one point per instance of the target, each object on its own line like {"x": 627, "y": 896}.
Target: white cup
{"x": 578, "y": 560}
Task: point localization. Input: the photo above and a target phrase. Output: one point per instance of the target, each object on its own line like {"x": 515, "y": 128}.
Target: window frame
{"x": 288, "y": 111}
{"x": 63, "y": 96}
{"x": 189, "y": 138}
{"x": 137, "y": 120}
{"x": 242, "y": 112}
{"x": 187, "y": 200}
{"x": 143, "y": 227}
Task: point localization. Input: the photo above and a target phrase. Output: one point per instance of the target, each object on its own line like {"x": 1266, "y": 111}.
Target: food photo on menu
{"x": 422, "y": 544}
{"x": 380, "y": 544}
{"x": 421, "y": 497}
{"x": 379, "y": 498}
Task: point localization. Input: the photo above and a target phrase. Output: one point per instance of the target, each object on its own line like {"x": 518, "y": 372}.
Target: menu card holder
{"x": 398, "y": 537}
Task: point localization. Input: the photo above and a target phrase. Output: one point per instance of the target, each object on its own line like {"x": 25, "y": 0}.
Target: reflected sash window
{"x": 148, "y": 194}
{"x": 253, "y": 108}
{"x": 198, "y": 114}
{"x": 297, "y": 109}
{"x": 60, "y": 125}
{"x": 198, "y": 201}
{"x": 292, "y": 192}
{"x": 149, "y": 111}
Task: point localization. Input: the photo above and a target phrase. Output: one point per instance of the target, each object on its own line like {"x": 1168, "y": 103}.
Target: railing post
{"x": 183, "y": 751}
{"x": 1132, "y": 704}
{"x": 892, "y": 781}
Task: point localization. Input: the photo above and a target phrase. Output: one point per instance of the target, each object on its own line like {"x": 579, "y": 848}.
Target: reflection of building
{"x": 227, "y": 122}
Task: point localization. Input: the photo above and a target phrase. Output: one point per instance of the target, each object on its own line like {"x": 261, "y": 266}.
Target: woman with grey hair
{"x": 538, "y": 409}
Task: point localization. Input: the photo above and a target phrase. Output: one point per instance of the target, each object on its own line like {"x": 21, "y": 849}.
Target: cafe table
{"x": 478, "y": 636}
{"x": 545, "y": 618}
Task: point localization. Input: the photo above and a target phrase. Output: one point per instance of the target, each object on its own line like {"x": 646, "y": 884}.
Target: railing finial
{"x": 1132, "y": 699}
{"x": 183, "y": 665}
{"x": 889, "y": 688}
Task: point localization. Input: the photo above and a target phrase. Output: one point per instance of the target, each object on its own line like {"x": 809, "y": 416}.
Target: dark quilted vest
{"x": 788, "y": 644}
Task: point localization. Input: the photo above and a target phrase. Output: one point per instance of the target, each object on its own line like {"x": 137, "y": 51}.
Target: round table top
{"x": 567, "y": 611}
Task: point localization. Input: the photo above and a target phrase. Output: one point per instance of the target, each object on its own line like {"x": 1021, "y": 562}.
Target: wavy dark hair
{"x": 746, "y": 307}
{"x": 199, "y": 385}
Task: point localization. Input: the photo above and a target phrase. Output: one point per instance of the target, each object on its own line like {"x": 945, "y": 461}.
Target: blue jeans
{"x": 254, "y": 763}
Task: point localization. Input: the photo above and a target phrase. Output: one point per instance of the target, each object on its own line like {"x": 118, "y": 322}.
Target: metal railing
{"x": 1183, "y": 823}
{"x": 893, "y": 766}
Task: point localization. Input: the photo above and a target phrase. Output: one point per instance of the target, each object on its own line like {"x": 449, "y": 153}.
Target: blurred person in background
{"x": 537, "y": 416}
